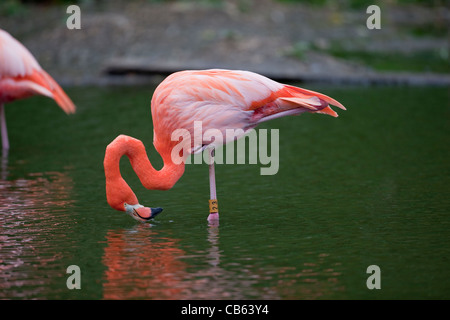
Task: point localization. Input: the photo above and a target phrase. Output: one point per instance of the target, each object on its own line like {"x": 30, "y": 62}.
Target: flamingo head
{"x": 141, "y": 213}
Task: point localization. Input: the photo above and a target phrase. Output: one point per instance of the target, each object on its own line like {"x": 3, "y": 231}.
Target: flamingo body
{"x": 226, "y": 99}
{"x": 221, "y": 100}
{"x": 21, "y": 76}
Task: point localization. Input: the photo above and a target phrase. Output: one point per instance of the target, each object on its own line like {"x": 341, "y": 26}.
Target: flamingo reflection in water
{"x": 143, "y": 262}
{"x": 35, "y": 220}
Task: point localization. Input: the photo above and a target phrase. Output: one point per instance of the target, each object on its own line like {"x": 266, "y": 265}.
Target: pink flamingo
{"x": 220, "y": 99}
{"x": 21, "y": 76}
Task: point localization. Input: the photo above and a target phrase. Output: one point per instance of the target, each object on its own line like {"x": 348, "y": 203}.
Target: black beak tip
{"x": 155, "y": 212}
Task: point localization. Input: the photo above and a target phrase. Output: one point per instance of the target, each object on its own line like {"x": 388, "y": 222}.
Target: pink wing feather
{"x": 22, "y": 76}
{"x": 226, "y": 99}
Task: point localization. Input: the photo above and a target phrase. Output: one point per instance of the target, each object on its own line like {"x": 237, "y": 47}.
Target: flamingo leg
{"x": 213, "y": 204}
{"x": 4, "y": 130}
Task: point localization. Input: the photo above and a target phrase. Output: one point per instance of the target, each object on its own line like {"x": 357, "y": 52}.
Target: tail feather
{"x": 329, "y": 111}
{"x": 43, "y": 79}
{"x": 295, "y": 98}
{"x": 312, "y": 103}
{"x": 301, "y": 93}
{"x": 63, "y": 100}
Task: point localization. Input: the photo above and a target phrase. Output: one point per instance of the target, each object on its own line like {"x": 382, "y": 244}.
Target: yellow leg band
{"x": 213, "y": 206}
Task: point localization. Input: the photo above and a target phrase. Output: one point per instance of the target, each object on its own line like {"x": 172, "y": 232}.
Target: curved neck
{"x": 117, "y": 190}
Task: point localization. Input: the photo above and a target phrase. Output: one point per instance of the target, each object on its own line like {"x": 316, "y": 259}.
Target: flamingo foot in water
{"x": 141, "y": 213}
{"x": 213, "y": 216}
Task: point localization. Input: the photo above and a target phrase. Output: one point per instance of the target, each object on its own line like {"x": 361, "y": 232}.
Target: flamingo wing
{"x": 22, "y": 76}
{"x": 227, "y": 99}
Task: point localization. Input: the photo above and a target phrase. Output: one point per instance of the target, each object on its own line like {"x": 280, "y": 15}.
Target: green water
{"x": 368, "y": 188}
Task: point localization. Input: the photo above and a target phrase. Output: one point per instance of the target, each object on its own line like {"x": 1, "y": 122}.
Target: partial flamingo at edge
{"x": 21, "y": 76}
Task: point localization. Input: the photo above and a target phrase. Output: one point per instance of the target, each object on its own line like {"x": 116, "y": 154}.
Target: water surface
{"x": 368, "y": 188}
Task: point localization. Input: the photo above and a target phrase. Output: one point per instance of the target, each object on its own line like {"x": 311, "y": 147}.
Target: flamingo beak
{"x": 155, "y": 212}
{"x": 141, "y": 213}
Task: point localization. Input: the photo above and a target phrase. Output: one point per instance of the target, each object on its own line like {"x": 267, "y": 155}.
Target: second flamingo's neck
{"x": 117, "y": 190}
